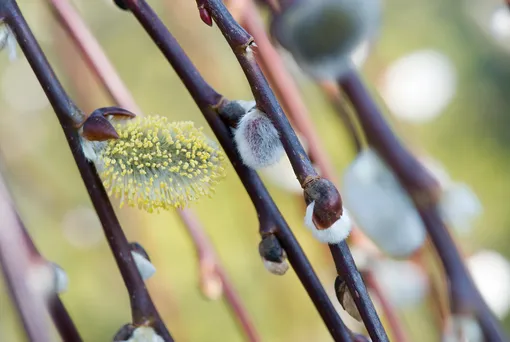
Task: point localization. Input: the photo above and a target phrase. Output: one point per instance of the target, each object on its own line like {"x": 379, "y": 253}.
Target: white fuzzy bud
{"x": 144, "y": 334}
{"x": 491, "y": 274}
{"x": 402, "y": 282}
{"x": 47, "y": 278}
{"x": 41, "y": 279}
{"x": 381, "y": 207}
{"x": 459, "y": 207}
{"x": 338, "y": 232}
{"x": 8, "y": 41}
{"x": 145, "y": 267}
{"x": 257, "y": 140}
{"x": 323, "y": 35}
{"x": 462, "y": 329}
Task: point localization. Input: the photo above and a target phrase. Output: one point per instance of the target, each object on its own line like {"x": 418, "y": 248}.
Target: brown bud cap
{"x": 270, "y": 249}
{"x": 98, "y": 128}
{"x": 328, "y": 203}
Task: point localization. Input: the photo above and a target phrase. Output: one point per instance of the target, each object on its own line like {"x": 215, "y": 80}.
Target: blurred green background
{"x": 469, "y": 138}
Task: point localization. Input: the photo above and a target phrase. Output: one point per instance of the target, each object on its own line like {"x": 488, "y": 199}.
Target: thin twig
{"x": 16, "y": 264}
{"x": 115, "y": 87}
{"x": 270, "y": 218}
{"x": 424, "y": 191}
{"x": 335, "y": 98}
{"x": 204, "y": 249}
{"x": 58, "y": 312}
{"x": 70, "y": 116}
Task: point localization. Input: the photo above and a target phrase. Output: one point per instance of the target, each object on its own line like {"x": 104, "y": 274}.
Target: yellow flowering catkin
{"x": 156, "y": 164}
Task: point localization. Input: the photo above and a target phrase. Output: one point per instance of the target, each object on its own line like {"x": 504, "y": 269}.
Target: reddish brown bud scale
{"x": 328, "y": 203}
{"x": 98, "y": 128}
{"x": 205, "y": 16}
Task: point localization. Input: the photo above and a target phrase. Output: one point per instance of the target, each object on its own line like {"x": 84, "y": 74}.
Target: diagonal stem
{"x": 15, "y": 262}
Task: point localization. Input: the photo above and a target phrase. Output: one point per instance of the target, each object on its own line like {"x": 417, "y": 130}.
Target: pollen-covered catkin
{"x": 156, "y": 164}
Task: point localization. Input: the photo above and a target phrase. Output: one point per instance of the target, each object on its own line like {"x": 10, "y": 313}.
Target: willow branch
{"x": 424, "y": 191}
{"x": 271, "y": 221}
{"x": 70, "y": 116}
{"x": 16, "y": 263}
{"x": 335, "y": 98}
{"x": 58, "y": 312}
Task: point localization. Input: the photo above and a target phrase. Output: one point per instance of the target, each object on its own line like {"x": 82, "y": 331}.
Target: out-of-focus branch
{"x": 115, "y": 87}
{"x": 208, "y": 258}
{"x": 94, "y": 55}
{"x": 336, "y": 99}
{"x": 17, "y": 262}
{"x": 423, "y": 190}
{"x": 70, "y": 117}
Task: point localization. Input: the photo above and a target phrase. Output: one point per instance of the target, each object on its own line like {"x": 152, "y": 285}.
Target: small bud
{"x": 8, "y": 41}
{"x": 257, "y": 140}
{"x": 205, "y": 16}
{"x": 61, "y": 280}
{"x": 325, "y": 217}
{"x": 156, "y": 164}
{"x": 345, "y": 298}
{"x": 323, "y": 35}
{"x": 463, "y": 328}
{"x": 360, "y": 338}
{"x": 98, "y": 128}
{"x": 232, "y": 111}
{"x": 124, "y": 333}
{"x": 273, "y": 255}
{"x": 211, "y": 284}
{"x": 142, "y": 261}
{"x": 459, "y": 207}
{"x": 42, "y": 278}
{"x": 121, "y": 4}
{"x": 381, "y": 207}
{"x": 138, "y": 334}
